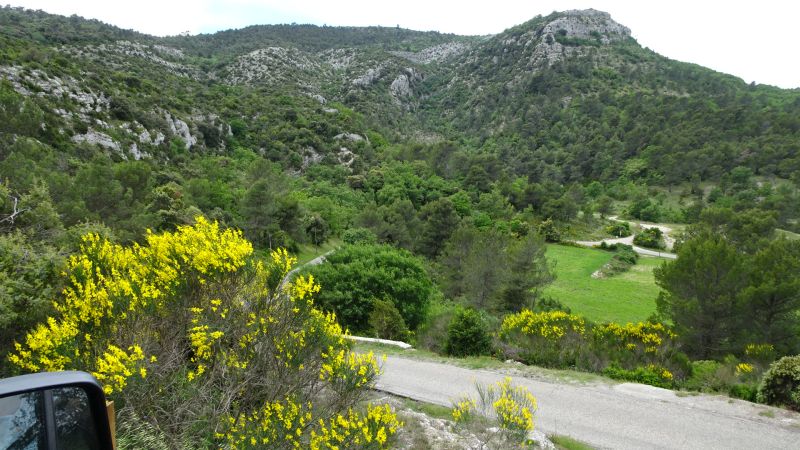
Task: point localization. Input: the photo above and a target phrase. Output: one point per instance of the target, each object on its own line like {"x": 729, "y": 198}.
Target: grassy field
{"x": 308, "y": 251}
{"x": 627, "y": 297}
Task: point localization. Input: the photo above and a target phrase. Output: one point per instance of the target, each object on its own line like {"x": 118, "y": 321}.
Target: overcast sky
{"x": 757, "y": 41}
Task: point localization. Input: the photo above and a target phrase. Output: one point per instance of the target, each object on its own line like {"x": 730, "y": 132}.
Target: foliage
{"x": 355, "y": 275}
{"x": 511, "y": 406}
{"x": 720, "y": 298}
{"x": 781, "y": 383}
{"x": 550, "y": 338}
{"x": 467, "y": 334}
{"x": 387, "y": 322}
{"x": 700, "y": 291}
{"x": 191, "y": 333}
{"x": 650, "y": 238}
{"x": 549, "y": 231}
{"x": 559, "y": 339}
{"x": 490, "y": 270}
{"x": 619, "y": 229}
{"x": 650, "y": 374}
{"x": 29, "y": 279}
{"x": 354, "y": 236}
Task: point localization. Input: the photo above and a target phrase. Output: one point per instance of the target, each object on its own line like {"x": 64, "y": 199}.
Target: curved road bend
{"x": 621, "y": 416}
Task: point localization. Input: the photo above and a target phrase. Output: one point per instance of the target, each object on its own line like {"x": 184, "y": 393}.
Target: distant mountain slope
{"x": 566, "y": 97}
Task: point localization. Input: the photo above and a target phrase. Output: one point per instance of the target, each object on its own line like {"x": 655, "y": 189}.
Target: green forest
{"x": 179, "y": 178}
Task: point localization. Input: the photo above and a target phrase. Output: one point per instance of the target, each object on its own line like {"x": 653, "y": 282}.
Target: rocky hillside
{"x": 569, "y": 98}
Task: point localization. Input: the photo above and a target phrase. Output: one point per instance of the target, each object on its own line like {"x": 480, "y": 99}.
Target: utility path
{"x": 623, "y": 416}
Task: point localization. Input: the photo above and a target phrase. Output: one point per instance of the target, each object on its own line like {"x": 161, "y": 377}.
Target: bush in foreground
{"x": 193, "y": 336}
{"x": 781, "y": 383}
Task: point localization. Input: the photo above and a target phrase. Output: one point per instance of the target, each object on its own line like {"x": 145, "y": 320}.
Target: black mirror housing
{"x": 62, "y": 387}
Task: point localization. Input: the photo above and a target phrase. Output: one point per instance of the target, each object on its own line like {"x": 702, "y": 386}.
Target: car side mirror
{"x": 54, "y": 411}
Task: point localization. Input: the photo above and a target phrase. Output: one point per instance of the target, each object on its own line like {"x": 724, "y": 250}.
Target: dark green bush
{"x": 386, "y": 321}
{"x": 781, "y": 384}
{"x": 650, "y": 238}
{"x": 619, "y": 229}
{"x": 468, "y": 335}
{"x": 356, "y": 236}
{"x": 747, "y": 392}
{"x": 652, "y": 375}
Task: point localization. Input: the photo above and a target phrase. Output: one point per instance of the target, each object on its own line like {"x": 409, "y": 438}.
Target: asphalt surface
{"x": 621, "y": 416}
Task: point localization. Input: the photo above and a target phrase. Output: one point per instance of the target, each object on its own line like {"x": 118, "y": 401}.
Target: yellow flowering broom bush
{"x": 552, "y": 338}
{"x": 645, "y": 351}
{"x": 510, "y": 406}
{"x": 212, "y": 346}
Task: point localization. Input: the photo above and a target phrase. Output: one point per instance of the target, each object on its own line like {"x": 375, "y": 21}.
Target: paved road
{"x": 624, "y": 416}
{"x": 629, "y": 241}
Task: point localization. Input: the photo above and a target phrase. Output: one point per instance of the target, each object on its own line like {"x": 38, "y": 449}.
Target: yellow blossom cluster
{"x": 663, "y": 373}
{"x": 463, "y": 409}
{"x": 744, "y": 368}
{"x": 513, "y": 405}
{"x": 371, "y": 431}
{"x": 346, "y": 370}
{"x": 759, "y": 350}
{"x": 643, "y": 336}
{"x": 551, "y": 325}
{"x": 290, "y": 424}
{"x": 116, "y": 366}
{"x": 110, "y": 282}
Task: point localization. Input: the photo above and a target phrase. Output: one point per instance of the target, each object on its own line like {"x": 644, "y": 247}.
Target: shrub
{"x": 432, "y": 334}
{"x": 386, "y": 321}
{"x": 356, "y": 274}
{"x": 191, "y": 333}
{"x": 548, "y": 230}
{"x": 781, "y": 383}
{"x": 650, "y": 238}
{"x": 467, "y": 334}
{"x": 632, "y": 345}
{"x": 510, "y": 407}
{"x": 355, "y": 236}
{"x": 553, "y": 338}
{"x": 619, "y": 229}
{"x": 651, "y": 374}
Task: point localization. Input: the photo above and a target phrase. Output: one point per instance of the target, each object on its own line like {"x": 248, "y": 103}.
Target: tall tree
{"x": 440, "y": 221}
{"x": 529, "y": 273}
{"x": 700, "y": 294}
{"x": 772, "y": 299}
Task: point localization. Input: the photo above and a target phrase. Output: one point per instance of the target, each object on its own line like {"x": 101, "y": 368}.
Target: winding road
{"x": 623, "y": 416}
{"x": 629, "y": 241}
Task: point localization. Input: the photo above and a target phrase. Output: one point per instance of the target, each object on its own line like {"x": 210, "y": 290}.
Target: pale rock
{"x": 436, "y": 53}
{"x": 349, "y": 136}
{"x": 368, "y": 78}
{"x": 180, "y": 129}
{"x": 97, "y": 138}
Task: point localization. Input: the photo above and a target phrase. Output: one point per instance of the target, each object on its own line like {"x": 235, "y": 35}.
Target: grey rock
{"x": 97, "y": 138}
{"x": 349, "y": 136}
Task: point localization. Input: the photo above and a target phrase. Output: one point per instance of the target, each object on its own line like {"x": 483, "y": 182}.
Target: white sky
{"x": 756, "y": 41}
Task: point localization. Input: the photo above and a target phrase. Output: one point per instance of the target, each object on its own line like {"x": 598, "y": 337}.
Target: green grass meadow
{"x": 626, "y": 297}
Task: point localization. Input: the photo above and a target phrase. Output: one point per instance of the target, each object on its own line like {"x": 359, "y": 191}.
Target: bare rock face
{"x": 180, "y": 129}
{"x": 271, "y": 65}
{"x": 436, "y": 53}
{"x": 587, "y": 24}
{"x": 368, "y": 78}
{"x": 161, "y": 55}
{"x": 401, "y": 87}
{"x": 97, "y": 138}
